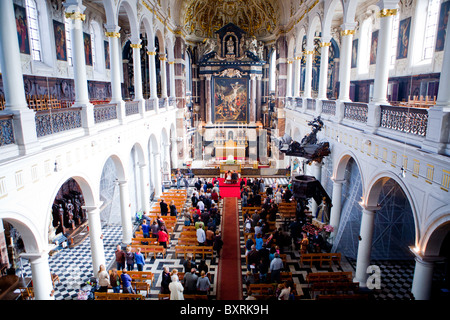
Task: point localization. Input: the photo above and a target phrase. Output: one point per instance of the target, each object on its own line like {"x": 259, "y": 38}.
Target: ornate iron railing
{"x": 105, "y": 112}
{"x": 329, "y": 107}
{"x": 408, "y": 120}
{"x": 131, "y": 107}
{"x": 311, "y": 104}
{"x": 356, "y": 111}
{"x": 162, "y": 102}
{"x": 6, "y": 130}
{"x": 59, "y": 120}
{"x": 149, "y": 105}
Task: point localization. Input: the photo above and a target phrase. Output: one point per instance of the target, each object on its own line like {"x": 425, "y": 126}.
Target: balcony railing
{"x": 403, "y": 119}
{"x": 106, "y": 112}
{"x": 311, "y": 104}
{"x": 356, "y": 111}
{"x": 329, "y": 107}
{"x": 131, "y": 107}
{"x": 59, "y": 120}
{"x": 7, "y": 131}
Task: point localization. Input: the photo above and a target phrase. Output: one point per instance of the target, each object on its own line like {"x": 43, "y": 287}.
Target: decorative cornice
{"x": 325, "y": 44}
{"x": 151, "y": 53}
{"x": 136, "y": 45}
{"x": 308, "y": 52}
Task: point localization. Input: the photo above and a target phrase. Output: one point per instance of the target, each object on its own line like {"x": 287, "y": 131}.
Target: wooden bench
{"x": 194, "y": 250}
{"x": 141, "y": 276}
{"x": 262, "y": 289}
{"x": 162, "y": 296}
{"x": 334, "y": 287}
{"x": 117, "y": 296}
{"x": 187, "y": 241}
{"x": 148, "y": 249}
{"x": 144, "y": 241}
{"x": 321, "y": 258}
{"x": 328, "y": 277}
{"x": 356, "y": 296}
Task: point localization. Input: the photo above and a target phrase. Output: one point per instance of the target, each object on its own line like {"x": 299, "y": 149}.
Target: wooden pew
{"x": 328, "y": 277}
{"x": 140, "y": 275}
{"x": 162, "y": 296}
{"x": 194, "y": 250}
{"x": 148, "y": 249}
{"x": 334, "y": 287}
{"x": 117, "y": 296}
{"x": 262, "y": 289}
{"x": 320, "y": 258}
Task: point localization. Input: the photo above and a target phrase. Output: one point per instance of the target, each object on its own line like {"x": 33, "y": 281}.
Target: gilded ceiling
{"x": 257, "y": 17}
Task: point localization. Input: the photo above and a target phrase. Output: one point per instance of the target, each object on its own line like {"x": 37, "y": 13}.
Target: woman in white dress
{"x": 176, "y": 288}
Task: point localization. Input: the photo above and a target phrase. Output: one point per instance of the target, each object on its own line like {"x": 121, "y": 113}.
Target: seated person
{"x": 228, "y": 177}
{"x": 234, "y": 177}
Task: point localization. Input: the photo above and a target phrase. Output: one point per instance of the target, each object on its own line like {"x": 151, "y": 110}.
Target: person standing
{"x": 114, "y": 280}
{"x": 276, "y": 265}
{"x": 173, "y": 209}
{"x": 120, "y": 258}
{"x": 203, "y": 283}
{"x": 145, "y": 228}
{"x": 164, "y": 208}
{"x": 201, "y": 236}
{"x": 163, "y": 237}
{"x": 165, "y": 281}
{"x": 176, "y": 288}
{"x": 129, "y": 258}
{"x": 140, "y": 260}
{"x": 190, "y": 282}
{"x": 126, "y": 282}
{"x": 103, "y": 279}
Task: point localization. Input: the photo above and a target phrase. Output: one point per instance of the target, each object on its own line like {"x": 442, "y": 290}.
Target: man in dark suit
{"x": 164, "y": 208}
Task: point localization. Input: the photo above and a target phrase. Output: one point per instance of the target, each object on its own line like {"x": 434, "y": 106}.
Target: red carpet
{"x": 229, "y": 189}
{"x": 229, "y": 274}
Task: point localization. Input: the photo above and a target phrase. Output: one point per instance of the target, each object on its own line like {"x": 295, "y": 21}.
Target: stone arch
{"x": 341, "y": 164}
{"x": 314, "y": 25}
{"x": 434, "y": 233}
{"x": 131, "y": 11}
{"x": 331, "y": 7}
{"x": 31, "y": 237}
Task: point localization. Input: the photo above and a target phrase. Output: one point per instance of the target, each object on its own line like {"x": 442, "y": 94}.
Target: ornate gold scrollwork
{"x": 75, "y": 16}
{"x": 387, "y": 13}
{"x": 347, "y": 32}
{"x": 112, "y": 34}
{"x": 136, "y": 45}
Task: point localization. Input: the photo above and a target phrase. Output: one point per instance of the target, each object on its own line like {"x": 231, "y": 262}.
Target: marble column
{"x": 174, "y": 152}
{"x": 153, "y": 85}
{"x": 423, "y": 279}
{"x": 316, "y": 171}
{"x": 336, "y": 200}
{"x": 163, "y": 73}
{"x": 297, "y": 77}
{"x": 138, "y": 95}
{"x": 347, "y": 32}
{"x": 365, "y": 244}
{"x": 95, "y": 237}
{"x": 208, "y": 94}
{"x": 112, "y": 32}
{"x": 323, "y": 73}
{"x": 437, "y": 138}
{"x": 252, "y": 115}
{"x": 125, "y": 209}
{"x": 145, "y": 188}
{"x": 309, "y": 53}
{"x": 75, "y": 14}
{"x": 40, "y": 275}
{"x": 289, "y": 79}
{"x": 157, "y": 174}
{"x": 24, "y": 124}
{"x": 172, "y": 79}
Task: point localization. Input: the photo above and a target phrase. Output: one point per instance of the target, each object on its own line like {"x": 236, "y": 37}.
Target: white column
{"x": 289, "y": 79}
{"x": 157, "y": 174}
{"x": 423, "y": 278}
{"x": 127, "y": 228}
{"x": 172, "y": 79}
{"x": 308, "y": 72}
{"x": 323, "y": 73}
{"x": 365, "y": 245}
{"x": 336, "y": 200}
{"x": 163, "y": 73}
{"x": 95, "y": 237}
{"x": 298, "y": 64}
{"x": 174, "y": 156}
{"x": 153, "y": 85}
{"x": 112, "y": 32}
{"x": 438, "y": 128}
{"x": 145, "y": 188}
{"x": 383, "y": 52}
{"x": 208, "y": 96}
{"x": 40, "y": 275}
{"x": 253, "y": 99}
{"x": 316, "y": 171}
{"x": 136, "y": 46}
{"x": 166, "y": 153}
{"x": 345, "y": 60}
{"x": 24, "y": 124}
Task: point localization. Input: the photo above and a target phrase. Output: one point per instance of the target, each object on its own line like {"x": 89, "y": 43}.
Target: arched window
{"x": 68, "y": 41}
{"x": 33, "y": 28}
{"x": 430, "y": 29}
{"x": 92, "y": 32}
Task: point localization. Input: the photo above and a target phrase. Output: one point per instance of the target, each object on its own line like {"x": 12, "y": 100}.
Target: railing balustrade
{"x": 6, "y": 130}
{"x": 131, "y": 107}
{"x": 149, "y": 105}
{"x": 356, "y": 111}
{"x": 329, "y": 107}
{"x": 53, "y": 121}
{"x": 403, "y": 119}
{"x": 311, "y": 104}
{"x": 105, "y": 112}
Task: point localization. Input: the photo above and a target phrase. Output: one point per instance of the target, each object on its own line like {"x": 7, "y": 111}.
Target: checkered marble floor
{"x": 74, "y": 267}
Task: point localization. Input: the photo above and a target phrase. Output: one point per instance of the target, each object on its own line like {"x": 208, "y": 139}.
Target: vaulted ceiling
{"x": 201, "y": 18}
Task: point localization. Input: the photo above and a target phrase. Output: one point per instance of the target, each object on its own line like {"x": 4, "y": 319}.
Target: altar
{"x": 230, "y": 151}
